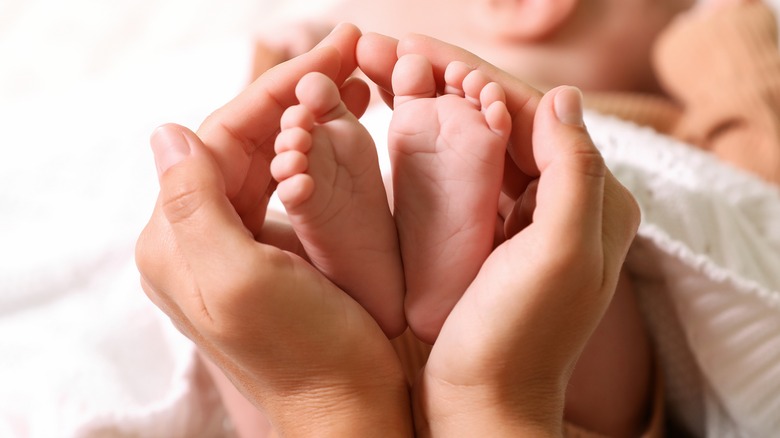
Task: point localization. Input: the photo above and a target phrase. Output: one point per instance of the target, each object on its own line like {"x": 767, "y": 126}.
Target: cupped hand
{"x": 293, "y": 343}
{"x": 502, "y": 361}
{"x": 240, "y": 135}
{"x": 289, "y": 339}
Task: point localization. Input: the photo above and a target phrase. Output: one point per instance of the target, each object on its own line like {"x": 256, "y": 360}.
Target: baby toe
{"x": 454, "y": 75}
{"x": 473, "y": 84}
{"x": 490, "y": 94}
{"x": 413, "y": 79}
{"x": 288, "y": 164}
{"x": 293, "y": 139}
{"x": 320, "y": 95}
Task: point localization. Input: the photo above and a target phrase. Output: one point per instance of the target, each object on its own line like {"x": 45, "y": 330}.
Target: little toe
{"x": 321, "y": 96}
{"x": 491, "y": 93}
{"x": 493, "y": 102}
{"x": 413, "y": 79}
{"x": 498, "y": 119}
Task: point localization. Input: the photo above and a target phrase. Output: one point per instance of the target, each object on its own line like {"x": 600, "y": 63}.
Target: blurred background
{"x": 82, "y": 85}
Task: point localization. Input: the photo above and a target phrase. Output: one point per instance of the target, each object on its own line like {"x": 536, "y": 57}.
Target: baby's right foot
{"x": 447, "y": 154}
{"x": 332, "y": 189}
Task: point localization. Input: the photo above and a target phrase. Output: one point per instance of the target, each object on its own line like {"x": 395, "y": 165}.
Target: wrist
{"x": 381, "y": 406}
{"x": 442, "y": 409}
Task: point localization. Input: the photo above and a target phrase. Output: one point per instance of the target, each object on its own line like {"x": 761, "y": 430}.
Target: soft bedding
{"x": 84, "y": 354}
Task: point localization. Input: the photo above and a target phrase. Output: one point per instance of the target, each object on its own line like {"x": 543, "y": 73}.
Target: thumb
{"x": 577, "y": 196}
{"x": 193, "y": 199}
{"x": 570, "y": 194}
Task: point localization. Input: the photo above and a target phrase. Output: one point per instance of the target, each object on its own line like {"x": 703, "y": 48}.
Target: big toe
{"x": 413, "y": 79}
{"x": 321, "y": 96}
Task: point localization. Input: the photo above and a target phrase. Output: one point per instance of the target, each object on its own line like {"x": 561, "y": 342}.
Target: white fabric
{"x": 84, "y": 354}
{"x": 706, "y": 265}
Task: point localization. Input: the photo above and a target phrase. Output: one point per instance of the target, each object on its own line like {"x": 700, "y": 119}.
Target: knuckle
{"x": 589, "y": 160}
{"x": 182, "y": 201}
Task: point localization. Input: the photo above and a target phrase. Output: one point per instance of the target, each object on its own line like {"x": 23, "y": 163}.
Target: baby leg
{"x": 447, "y": 154}
{"x": 331, "y": 187}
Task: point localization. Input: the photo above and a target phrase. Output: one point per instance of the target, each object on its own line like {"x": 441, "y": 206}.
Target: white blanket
{"x": 82, "y": 351}
{"x": 707, "y": 265}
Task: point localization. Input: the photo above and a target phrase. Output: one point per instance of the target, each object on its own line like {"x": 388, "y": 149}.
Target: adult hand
{"x": 529, "y": 313}
{"x": 277, "y": 44}
{"x": 294, "y": 344}
{"x": 241, "y": 134}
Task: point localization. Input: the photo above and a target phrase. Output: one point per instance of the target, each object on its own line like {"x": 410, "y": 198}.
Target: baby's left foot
{"x": 447, "y": 154}
{"x": 332, "y": 189}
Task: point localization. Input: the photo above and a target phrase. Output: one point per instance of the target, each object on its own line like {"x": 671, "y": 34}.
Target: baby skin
{"x": 447, "y": 152}
{"x": 331, "y": 186}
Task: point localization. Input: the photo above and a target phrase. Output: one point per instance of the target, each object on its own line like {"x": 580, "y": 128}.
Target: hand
{"x": 529, "y": 313}
{"x": 282, "y": 43}
{"x": 240, "y": 135}
{"x": 290, "y": 340}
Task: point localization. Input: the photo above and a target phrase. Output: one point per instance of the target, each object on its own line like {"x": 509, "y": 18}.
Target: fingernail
{"x": 568, "y": 106}
{"x": 169, "y": 146}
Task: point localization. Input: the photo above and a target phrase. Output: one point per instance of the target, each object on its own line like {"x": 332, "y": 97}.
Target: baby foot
{"x": 447, "y": 154}
{"x": 332, "y": 189}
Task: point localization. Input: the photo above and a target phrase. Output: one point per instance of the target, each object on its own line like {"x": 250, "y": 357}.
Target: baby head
{"x": 593, "y": 44}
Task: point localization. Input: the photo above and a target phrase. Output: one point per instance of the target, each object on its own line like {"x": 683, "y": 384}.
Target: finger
{"x": 522, "y": 99}
{"x": 576, "y": 190}
{"x": 570, "y": 194}
{"x": 522, "y": 211}
{"x": 576, "y": 195}
{"x": 264, "y": 58}
{"x": 251, "y": 119}
{"x": 206, "y": 228}
{"x": 356, "y": 95}
{"x": 376, "y": 57}
{"x": 344, "y": 39}
{"x": 515, "y": 181}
